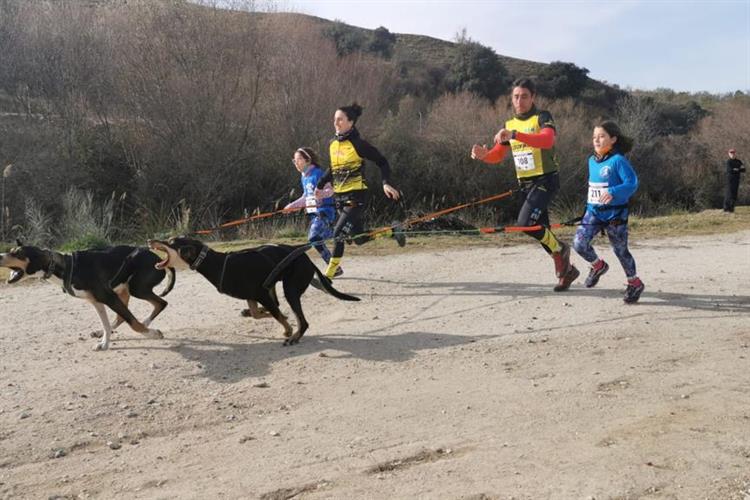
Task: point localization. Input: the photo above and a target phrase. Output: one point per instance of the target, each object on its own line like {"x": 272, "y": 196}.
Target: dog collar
{"x": 51, "y": 269}
{"x": 199, "y": 260}
{"x": 68, "y": 277}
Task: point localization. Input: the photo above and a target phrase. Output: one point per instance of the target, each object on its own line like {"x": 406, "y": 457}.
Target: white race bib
{"x": 596, "y": 190}
{"x": 524, "y": 160}
{"x": 311, "y": 205}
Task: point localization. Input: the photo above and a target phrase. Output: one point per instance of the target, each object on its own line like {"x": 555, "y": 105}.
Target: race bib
{"x": 596, "y": 190}
{"x": 524, "y": 160}
{"x": 311, "y": 204}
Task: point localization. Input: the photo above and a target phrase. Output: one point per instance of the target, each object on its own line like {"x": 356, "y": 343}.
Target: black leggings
{"x": 350, "y": 208}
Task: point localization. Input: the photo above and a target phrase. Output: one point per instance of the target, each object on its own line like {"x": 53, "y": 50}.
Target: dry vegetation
{"x": 185, "y": 116}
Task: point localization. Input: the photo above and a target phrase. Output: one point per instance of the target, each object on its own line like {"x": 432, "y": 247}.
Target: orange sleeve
{"x": 496, "y": 154}
{"x": 545, "y": 139}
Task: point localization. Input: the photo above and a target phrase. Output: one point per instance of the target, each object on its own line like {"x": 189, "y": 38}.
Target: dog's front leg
{"x": 104, "y": 344}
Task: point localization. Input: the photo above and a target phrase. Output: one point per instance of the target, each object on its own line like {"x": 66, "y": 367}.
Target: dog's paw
{"x": 153, "y": 333}
{"x": 101, "y": 347}
{"x": 96, "y": 334}
{"x": 245, "y": 313}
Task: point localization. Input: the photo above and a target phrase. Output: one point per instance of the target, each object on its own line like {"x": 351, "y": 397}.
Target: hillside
{"x": 171, "y": 115}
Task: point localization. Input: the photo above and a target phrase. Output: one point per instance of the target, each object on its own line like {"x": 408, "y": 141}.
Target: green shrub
{"x": 85, "y": 242}
{"x": 476, "y": 68}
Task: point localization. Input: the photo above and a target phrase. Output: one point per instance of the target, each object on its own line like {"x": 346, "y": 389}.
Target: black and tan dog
{"x": 242, "y": 274}
{"x": 105, "y": 277}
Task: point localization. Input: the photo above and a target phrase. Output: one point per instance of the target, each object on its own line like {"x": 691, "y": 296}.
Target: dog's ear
{"x": 187, "y": 254}
{"x": 19, "y": 242}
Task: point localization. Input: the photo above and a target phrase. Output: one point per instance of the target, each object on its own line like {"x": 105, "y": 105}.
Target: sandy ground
{"x": 459, "y": 375}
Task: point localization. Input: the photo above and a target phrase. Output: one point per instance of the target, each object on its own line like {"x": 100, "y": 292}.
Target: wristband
{"x": 513, "y": 135}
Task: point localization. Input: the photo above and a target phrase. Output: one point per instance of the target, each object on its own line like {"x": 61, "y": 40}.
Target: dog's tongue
{"x": 15, "y": 275}
{"x": 162, "y": 263}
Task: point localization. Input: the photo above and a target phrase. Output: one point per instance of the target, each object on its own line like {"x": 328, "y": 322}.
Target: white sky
{"x": 689, "y": 45}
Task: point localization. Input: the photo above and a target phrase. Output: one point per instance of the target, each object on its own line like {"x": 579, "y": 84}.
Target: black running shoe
{"x": 399, "y": 235}
{"x": 633, "y": 292}
{"x": 594, "y": 274}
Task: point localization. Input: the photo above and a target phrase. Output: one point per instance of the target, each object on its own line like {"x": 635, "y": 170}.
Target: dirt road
{"x": 459, "y": 375}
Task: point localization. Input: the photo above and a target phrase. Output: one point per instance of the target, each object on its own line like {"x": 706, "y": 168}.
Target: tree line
{"x": 120, "y": 120}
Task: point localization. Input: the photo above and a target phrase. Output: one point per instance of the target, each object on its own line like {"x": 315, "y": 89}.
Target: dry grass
{"x": 677, "y": 224}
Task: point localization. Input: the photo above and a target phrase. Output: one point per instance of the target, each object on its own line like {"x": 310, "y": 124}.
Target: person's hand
{"x": 479, "y": 152}
{"x": 605, "y": 198}
{"x": 391, "y": 192}
{"x": 503, "y": 136}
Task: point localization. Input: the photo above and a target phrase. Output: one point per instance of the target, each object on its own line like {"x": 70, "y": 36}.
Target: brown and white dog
{"x": 105, "y": 277}
{"x": 242, "y": 274}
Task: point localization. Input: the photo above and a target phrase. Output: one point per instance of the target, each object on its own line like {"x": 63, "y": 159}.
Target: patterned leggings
{"x": 321, "y": 229}
{"x": 618, "y": 238}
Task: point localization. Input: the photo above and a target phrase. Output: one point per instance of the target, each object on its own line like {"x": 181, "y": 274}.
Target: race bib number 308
{"x": 524, "y": 160}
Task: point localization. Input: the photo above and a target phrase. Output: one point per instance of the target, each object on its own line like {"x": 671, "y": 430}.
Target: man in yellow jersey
{"x": 530, "y": 137}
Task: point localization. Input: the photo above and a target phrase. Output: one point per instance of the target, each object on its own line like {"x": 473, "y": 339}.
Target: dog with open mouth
{"x": 242, "y": 274}
{"x": 105, "y": 278}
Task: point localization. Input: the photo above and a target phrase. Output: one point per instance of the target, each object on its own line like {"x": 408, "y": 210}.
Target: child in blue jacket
{"x": 322, "y": 210}
{"x": 612, "y": 181}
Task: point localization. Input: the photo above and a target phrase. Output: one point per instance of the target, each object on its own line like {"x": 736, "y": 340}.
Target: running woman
{"x": 321, "y": 211}
{"x": 348, "y": 152}
{"x": 530, "y": 137}
{"x": 612, "y": 181}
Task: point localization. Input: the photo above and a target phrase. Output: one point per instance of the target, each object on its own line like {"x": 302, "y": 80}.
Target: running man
{"x": 530, "y": 136}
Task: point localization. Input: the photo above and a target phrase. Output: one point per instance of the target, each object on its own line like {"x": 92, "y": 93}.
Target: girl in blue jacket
{"x": 612, "y": 181}
{"x": 321, "y": 210}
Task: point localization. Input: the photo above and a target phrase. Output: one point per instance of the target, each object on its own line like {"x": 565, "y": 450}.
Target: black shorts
{"x": 539, "y": 193}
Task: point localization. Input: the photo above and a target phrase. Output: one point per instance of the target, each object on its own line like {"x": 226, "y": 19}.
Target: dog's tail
{"x": 170, "y": 284}
{"x": 327, "y": 286}
{"x": 273, "y": 276}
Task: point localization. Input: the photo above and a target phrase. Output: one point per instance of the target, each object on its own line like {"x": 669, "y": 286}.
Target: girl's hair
{"x": 525, "y": 83}
{"x": 624, "y": 143}
{"x": 308, "y": 154}
{"x": 352, "y": 111}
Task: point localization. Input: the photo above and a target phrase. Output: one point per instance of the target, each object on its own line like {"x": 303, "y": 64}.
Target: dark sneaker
{"x": 338, "y": 272}
{"x": 633, "y": 291}
{"x": 595, "y": 273}
{"x": 399, "y": 235}
{"x": 568, "y": 279}
{"x": 562, "y": 260}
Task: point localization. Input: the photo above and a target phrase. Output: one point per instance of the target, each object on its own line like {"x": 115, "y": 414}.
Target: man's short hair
{"x": 526, "y": 83}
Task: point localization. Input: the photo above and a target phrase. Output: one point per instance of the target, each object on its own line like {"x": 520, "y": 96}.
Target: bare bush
{"x": 37, "y": 229}
{"x": 83, "y": 217}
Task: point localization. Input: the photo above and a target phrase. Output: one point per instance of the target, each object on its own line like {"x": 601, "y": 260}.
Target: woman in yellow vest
{"x": 348, "y": 151}
{"x": 530, "y": 137}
